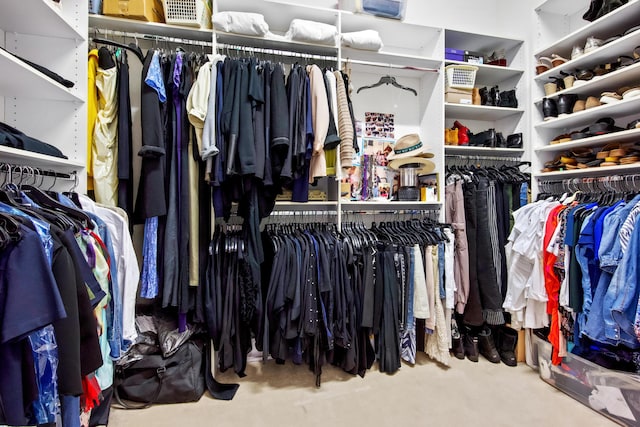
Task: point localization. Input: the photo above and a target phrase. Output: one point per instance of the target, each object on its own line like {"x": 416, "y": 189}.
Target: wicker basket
{"x": 460, "y": 76}
{"x": 192, "y": 13}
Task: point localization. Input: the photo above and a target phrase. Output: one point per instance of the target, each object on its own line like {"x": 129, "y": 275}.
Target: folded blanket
{"x": 366, "y": 40}
{"x": 312, "y": 32}
{"x": 251, "y": 24}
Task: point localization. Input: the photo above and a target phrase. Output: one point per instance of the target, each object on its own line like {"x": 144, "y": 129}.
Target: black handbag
{"x": 508, "y": 99}
{"x": 514, "y": 140}
{"x": 179, "y": 378}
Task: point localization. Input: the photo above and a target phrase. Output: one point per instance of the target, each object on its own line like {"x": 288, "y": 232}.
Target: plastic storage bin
{"x": 460, "y": 77}
{"x": 386, "y": 8}
{"x": 614, "y": 394}
{"x": 192, "y": 13}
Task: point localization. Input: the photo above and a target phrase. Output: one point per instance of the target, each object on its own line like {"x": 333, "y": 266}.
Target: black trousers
{"x": 473, "y": 310}
{"x": 488, "y": 255}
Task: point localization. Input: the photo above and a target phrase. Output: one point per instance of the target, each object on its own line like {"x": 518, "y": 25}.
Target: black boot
{"x": 507, "y": 342}
{"x": 494, "y": 94}
{"x": 549, "y": 108}
{"x": 484, "y": 96}
{"x": 565, "y": 103}
{"x": 470, "y": 346}
{"x": 457, "y": 346}
{"x": 487, "y": 346}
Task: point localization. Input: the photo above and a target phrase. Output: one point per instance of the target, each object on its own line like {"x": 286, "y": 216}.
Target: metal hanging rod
{"x": 596, "y": 185}
{"x": 151, "y": 37}
{"x": 481, "y": 158}
{"x": 274, "y": 52}
{"x": 387, "y": 65}
{"x": 30, "y": 171}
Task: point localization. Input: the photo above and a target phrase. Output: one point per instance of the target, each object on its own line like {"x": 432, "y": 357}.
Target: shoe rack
{"x": 54, "y": 36}
{"x": 560, "y": 27}
{"x": 479, "y": 118}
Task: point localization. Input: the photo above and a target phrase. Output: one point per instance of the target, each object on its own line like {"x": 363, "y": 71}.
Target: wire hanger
{"x": 388, "y": 80}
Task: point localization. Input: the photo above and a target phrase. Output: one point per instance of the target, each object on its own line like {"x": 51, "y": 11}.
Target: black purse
{"x": 179, "y": 378}
{"x": 514, "y": 140}
{"x": 508, "y": 99}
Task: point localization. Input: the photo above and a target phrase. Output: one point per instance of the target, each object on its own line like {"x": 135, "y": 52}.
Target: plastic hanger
{"x": 388, "y": 80}
{"x": 131, "y": 47}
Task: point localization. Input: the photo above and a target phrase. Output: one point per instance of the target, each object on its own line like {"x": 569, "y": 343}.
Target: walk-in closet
{"x": 274, "y": 212}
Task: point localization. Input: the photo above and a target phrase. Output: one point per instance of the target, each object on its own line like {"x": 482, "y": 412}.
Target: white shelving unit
{"x": 625, "y": 136}
{"x": 560, "y": 39}
{"x": 54, "y": 36}
{"x": 480, "y": 112}
{"x": 479, "y": 118}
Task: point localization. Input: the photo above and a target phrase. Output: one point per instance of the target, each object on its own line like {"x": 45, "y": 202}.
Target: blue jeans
{"x": 621, "y": 300}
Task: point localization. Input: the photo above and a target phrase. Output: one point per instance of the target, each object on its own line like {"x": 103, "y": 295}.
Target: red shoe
{"x": 463, "y": 133}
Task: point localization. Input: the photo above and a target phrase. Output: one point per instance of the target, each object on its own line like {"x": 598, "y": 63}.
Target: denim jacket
{"x": 621, "y": 300}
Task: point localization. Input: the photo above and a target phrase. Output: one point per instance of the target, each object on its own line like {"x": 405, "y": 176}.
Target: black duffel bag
{"x": 179, "y": 378}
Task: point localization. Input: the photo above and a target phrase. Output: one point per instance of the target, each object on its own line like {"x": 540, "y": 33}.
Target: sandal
{"x": 609, "y": 97}
{"x": 634, "y": 124}
{"x": 592, "y": 44}
{"x": 630, "y": 93}
{"x": 561, "y": 138}
{"x": 557, "y": 60}
{"x": 584, "y": 75}
{"x": 544, "y": 64}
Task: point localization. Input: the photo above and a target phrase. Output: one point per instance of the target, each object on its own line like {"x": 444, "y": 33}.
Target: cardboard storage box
{"x": 144, "y": 10}
{"x": 458, "y": 96}
{"x": 614, "y": 394}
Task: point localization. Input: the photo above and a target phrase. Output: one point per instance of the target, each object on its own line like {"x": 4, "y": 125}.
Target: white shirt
{"x": 126, "y": 262}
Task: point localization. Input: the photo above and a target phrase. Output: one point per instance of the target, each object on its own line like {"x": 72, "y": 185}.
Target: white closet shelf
{"x": 608, "y": 82}
{"x": 602, "y": 55}
{"x": 479, "y": 112}
{"x": 595, "y": 171}
{"x": 630, "y": 135}
{"x": 21, "y": 80}
{"x": 490, "y": 75}
{"x": 609, "y": 25}
{"x": 398, "y": 37}
{"x": 561, "y": 7}
{"x": 23, "y": 157}
{"x": 354, "y": 206}
{"x": 151, "y": 28}
{"x": 482, "y": 151}
{"x": 581, "y": 118}
{"x": 278, "y": 14}
{"x": 38, "y": 17}
{"x": 414, "y": 65}
{"x": 482, "y": 43}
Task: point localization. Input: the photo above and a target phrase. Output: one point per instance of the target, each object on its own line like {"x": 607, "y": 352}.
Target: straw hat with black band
{"x": 410, "y": 151}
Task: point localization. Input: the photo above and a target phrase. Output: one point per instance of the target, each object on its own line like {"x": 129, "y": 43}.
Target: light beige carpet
{"x": 466, "y": 394}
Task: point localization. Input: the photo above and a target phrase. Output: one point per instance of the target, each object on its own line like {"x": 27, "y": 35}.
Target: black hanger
{"x": 45, "y": 200}
{"x": 388, "y": 80}
{"x": 131, "y": 47}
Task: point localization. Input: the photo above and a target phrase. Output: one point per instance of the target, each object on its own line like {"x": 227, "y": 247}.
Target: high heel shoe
{"x": 484, "y": 96}
{"x": 494, "y": 95}
{"x": 463, "y": 133}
